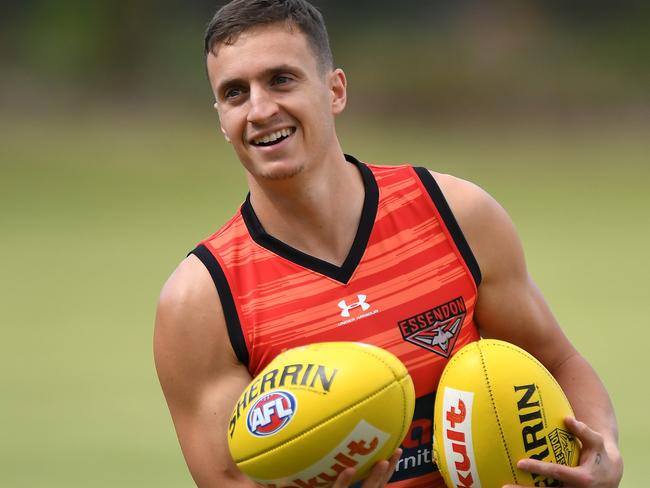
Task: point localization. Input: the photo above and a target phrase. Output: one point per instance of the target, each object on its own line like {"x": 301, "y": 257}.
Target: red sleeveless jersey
{"x": 408, "y": 285}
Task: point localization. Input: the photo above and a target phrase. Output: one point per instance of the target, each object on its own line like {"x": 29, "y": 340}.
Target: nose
{"x": 262, "y": 106}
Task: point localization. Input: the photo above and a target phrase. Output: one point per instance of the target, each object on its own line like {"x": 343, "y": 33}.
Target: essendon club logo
{"x": 436, "y": 329}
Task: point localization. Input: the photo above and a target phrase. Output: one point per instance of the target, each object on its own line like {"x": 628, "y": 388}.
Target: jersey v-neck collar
{"x": 341, "y": 273}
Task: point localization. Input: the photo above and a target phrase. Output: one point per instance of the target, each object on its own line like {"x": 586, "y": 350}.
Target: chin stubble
{"x": 283, "y": 175}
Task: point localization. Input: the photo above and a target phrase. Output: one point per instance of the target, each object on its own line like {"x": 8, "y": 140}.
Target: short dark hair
{"x": 239, "y": 15}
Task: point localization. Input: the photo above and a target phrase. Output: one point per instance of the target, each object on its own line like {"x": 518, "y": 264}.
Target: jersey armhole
{"x": 447, "y": 215}
{"x": 233, "y": 324}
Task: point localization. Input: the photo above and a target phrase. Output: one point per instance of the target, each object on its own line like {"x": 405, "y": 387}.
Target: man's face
{"x": 275, "y": 104}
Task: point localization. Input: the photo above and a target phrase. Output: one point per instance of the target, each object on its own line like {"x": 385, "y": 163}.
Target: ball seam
{"x": 496, "y": 413}
{"x": 404, "y": 419}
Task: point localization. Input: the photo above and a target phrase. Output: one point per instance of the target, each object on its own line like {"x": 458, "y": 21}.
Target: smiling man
{"x": 327, "y": 248}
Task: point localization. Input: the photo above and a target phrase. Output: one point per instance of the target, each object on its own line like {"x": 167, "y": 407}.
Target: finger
{"x": 588, "y": 437}
{"x": 344, "y": 479}
{"x": 567, "y": 474}
{"x": 376, "y": 477}
{"x": 392, "y": 464}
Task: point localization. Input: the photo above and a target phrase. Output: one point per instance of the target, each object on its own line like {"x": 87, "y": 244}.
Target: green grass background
{"x": 97, "y": 210}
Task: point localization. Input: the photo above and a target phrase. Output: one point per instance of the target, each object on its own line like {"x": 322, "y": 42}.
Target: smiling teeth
{"x": 273, "y": 137}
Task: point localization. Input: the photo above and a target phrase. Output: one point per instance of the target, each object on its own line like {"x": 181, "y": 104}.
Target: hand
{"x": 598, "y": 468}
{"x": 378, "y": 476}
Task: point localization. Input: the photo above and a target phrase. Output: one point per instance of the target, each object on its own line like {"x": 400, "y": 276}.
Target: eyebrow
{"x": 267, "y": 73}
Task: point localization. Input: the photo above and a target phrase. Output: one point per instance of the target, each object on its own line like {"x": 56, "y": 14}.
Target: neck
{"x": 316, "y": 211}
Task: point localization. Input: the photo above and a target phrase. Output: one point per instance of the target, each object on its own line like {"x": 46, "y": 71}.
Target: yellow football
{"x": 317, "y": 410}
{"x": 496, "y": 404}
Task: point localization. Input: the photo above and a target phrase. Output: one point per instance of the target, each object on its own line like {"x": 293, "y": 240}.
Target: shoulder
{"x": 189, "y": 291}
{"x": 190, "y": 333}
{"x": 469, "y": 202}
{"x": 509, "y": 306}
{"x": 486, "y": 225}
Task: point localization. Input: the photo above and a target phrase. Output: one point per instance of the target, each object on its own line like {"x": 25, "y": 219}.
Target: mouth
{"x": 273, "y": 138}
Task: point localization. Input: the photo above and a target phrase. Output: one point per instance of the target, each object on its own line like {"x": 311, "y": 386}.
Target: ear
{"x": 223, "y": 131}
{"x": 224, "y": 134}
{"x": 338, "y": 88}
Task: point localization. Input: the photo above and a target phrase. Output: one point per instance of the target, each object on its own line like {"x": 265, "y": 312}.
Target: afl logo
{"x": 271, "y": 413}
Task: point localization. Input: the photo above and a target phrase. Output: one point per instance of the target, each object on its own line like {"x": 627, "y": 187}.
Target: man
{"x": 322, "y": 237}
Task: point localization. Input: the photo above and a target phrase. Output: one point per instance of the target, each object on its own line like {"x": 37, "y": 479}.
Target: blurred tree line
{"x": 416, "y": 54}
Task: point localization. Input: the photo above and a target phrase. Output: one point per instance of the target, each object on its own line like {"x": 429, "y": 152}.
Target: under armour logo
{"x": 345, "y": 308}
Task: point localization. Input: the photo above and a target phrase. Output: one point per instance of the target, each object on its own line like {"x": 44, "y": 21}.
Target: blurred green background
{"x": 111, "y": 168}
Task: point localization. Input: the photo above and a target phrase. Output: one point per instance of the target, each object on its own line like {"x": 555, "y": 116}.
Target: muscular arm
{"x": 202, "y": 380}
{"x": 199, "y": 373}
{"x": 511, "y": 307}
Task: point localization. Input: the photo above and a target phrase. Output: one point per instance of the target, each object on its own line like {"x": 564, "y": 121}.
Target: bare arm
{"x": 202, "y": 380}
{"x": 199, "y": 373}
{"x": 511, "y": 307}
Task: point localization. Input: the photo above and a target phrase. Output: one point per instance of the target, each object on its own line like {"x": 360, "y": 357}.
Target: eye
{"x": 280, "y": 80}
{"x": 233, "y": 92}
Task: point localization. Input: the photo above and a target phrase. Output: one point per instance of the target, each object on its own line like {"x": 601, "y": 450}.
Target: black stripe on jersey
{"x": 227, "y": 303}
{"x": 341, "y": 273}
{"x": 447, "y": 215}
